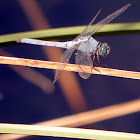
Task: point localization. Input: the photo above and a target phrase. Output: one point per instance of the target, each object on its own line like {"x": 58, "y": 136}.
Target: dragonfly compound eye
{"x": 105, "y": 50}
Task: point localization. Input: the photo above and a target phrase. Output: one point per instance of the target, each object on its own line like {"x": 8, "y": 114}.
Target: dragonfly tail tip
{"x": 18, "y": 41}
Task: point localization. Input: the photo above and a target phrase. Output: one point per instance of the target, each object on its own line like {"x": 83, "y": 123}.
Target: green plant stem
{"x": 70, "y": 32}
{"x": 66, "y": 132}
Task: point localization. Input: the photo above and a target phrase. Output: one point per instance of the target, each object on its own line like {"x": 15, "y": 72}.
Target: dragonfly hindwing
{"x": 83, "y": 58}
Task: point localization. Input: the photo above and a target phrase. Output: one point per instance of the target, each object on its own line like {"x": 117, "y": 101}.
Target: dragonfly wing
{"x": 83, "y": 58}
{"x": 92, "y": 29}
{"x": 64, "y": 60}
{"x": 88, "y": 26}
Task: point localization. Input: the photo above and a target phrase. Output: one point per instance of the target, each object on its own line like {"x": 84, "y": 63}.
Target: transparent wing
{"x": 64, "y": 60}
{"x": 88, "y": 26}
{"x": 92, "y": 29}
{"x": 83, "y": 58}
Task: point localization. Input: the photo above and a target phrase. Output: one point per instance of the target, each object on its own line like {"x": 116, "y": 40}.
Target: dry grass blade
{"x": 69, "y": 67}
{"x": 66, "y": 132}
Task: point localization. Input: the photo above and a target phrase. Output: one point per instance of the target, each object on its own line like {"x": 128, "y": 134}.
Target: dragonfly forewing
{"x": 87, "y": 27}
{"x": 92, "y": 29}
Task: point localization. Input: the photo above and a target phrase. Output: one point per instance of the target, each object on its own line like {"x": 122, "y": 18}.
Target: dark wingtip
{"x": 54, "y": 81}
{"x": 129, "y": 4}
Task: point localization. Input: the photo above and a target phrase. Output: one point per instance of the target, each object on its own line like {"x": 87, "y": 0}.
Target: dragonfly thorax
{"x": 104, "y": 49}
{"x": 86, "y": 43}
{"x": 93, "y": 45}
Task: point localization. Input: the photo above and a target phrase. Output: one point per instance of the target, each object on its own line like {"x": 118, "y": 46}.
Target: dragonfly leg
{"x": 94, "y": 56}
{"x": 104, "y": 65}
{"x": 94, "y": 61}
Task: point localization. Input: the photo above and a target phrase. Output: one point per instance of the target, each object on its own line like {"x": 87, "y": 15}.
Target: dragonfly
{"x": 84, "y": 45}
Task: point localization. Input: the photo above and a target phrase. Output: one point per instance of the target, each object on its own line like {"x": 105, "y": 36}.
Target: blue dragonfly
{"x": 85, "y": 45}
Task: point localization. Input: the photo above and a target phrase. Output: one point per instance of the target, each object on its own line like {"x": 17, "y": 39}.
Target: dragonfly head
{"x": 104, "y": 50}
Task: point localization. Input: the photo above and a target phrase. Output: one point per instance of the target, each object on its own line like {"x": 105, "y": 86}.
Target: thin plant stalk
{"x": 69, "y": 67}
